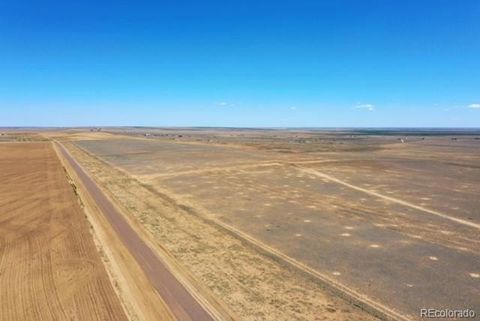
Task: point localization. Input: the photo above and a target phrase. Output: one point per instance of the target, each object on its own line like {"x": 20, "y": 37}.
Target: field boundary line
{"x": 346, "y": 293}
{"x": 388, "y": 198}
{"x": 350, "y": 295}
{"x": 217, "y": 169}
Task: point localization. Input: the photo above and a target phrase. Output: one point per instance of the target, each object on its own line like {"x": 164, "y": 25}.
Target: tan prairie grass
{"x": 253, "y": 285}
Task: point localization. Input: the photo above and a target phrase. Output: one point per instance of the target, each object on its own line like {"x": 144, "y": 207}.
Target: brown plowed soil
{"x": 49, "y": 266}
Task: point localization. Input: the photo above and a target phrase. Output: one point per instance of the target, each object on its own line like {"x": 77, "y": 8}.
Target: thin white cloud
{"x": 474, "y": 106}
{"x": 369, "y": 107}
{"x": 293, "y": 108}
{"x": 224, "y": 104}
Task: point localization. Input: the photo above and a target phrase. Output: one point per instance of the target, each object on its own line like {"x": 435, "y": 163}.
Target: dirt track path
{"x": 182, "y": 304}
{"x": 388, "y": 198}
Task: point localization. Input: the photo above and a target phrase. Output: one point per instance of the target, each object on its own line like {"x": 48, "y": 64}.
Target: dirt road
{"x": 388, "y": 198}
{"x": 182, "y": 304}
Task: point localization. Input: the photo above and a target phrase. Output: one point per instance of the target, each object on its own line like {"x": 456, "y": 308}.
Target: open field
{"x": 49, "y": 265}
{"x": 15, "y": 136}
{"x": 395, "y": 222}
{"x": 254, "y": 285}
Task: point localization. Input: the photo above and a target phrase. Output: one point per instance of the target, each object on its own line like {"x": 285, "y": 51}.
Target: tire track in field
{"x": 388, "y": 198}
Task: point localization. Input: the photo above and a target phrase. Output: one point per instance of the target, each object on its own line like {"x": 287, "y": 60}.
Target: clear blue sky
{"x": 240, "y": 63}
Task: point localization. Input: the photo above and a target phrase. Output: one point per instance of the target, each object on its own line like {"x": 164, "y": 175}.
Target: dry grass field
{"x": 253, "y": 284}
{"x": 396, "y": 222}
{"x": 49, "y": 265}
{"x": 15, "y": 136}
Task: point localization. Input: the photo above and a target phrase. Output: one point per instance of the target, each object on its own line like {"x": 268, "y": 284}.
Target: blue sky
{"x": 267, "y": 63}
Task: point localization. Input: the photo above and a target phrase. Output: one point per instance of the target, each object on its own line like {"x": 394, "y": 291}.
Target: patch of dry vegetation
{"x": 254, "y": 286}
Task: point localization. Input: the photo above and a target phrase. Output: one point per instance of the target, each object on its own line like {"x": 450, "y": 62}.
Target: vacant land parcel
{"x": 395, "y": 222}
{"x": 49, "y": 266}
{"x": 253, "y": 285}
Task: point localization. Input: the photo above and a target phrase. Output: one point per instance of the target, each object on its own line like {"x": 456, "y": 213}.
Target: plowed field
{"x": 49, "y": 266}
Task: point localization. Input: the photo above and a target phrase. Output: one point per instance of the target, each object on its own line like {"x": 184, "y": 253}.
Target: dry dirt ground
{"x": 49, "y": 266}
{"x": 254, "y": 284}
{"x": 397, "y": 223}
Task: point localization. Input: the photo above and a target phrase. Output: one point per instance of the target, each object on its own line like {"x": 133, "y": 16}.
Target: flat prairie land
{"x": 49, "y": 265}
{"x": 252, "y": 284}
{"x": 392, "y": 217}
{"x": 15, "y": 136}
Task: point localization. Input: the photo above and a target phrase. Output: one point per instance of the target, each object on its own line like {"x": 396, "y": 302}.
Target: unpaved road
{"x": 388, "y": 198}
{"x": 182, "y": 304}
